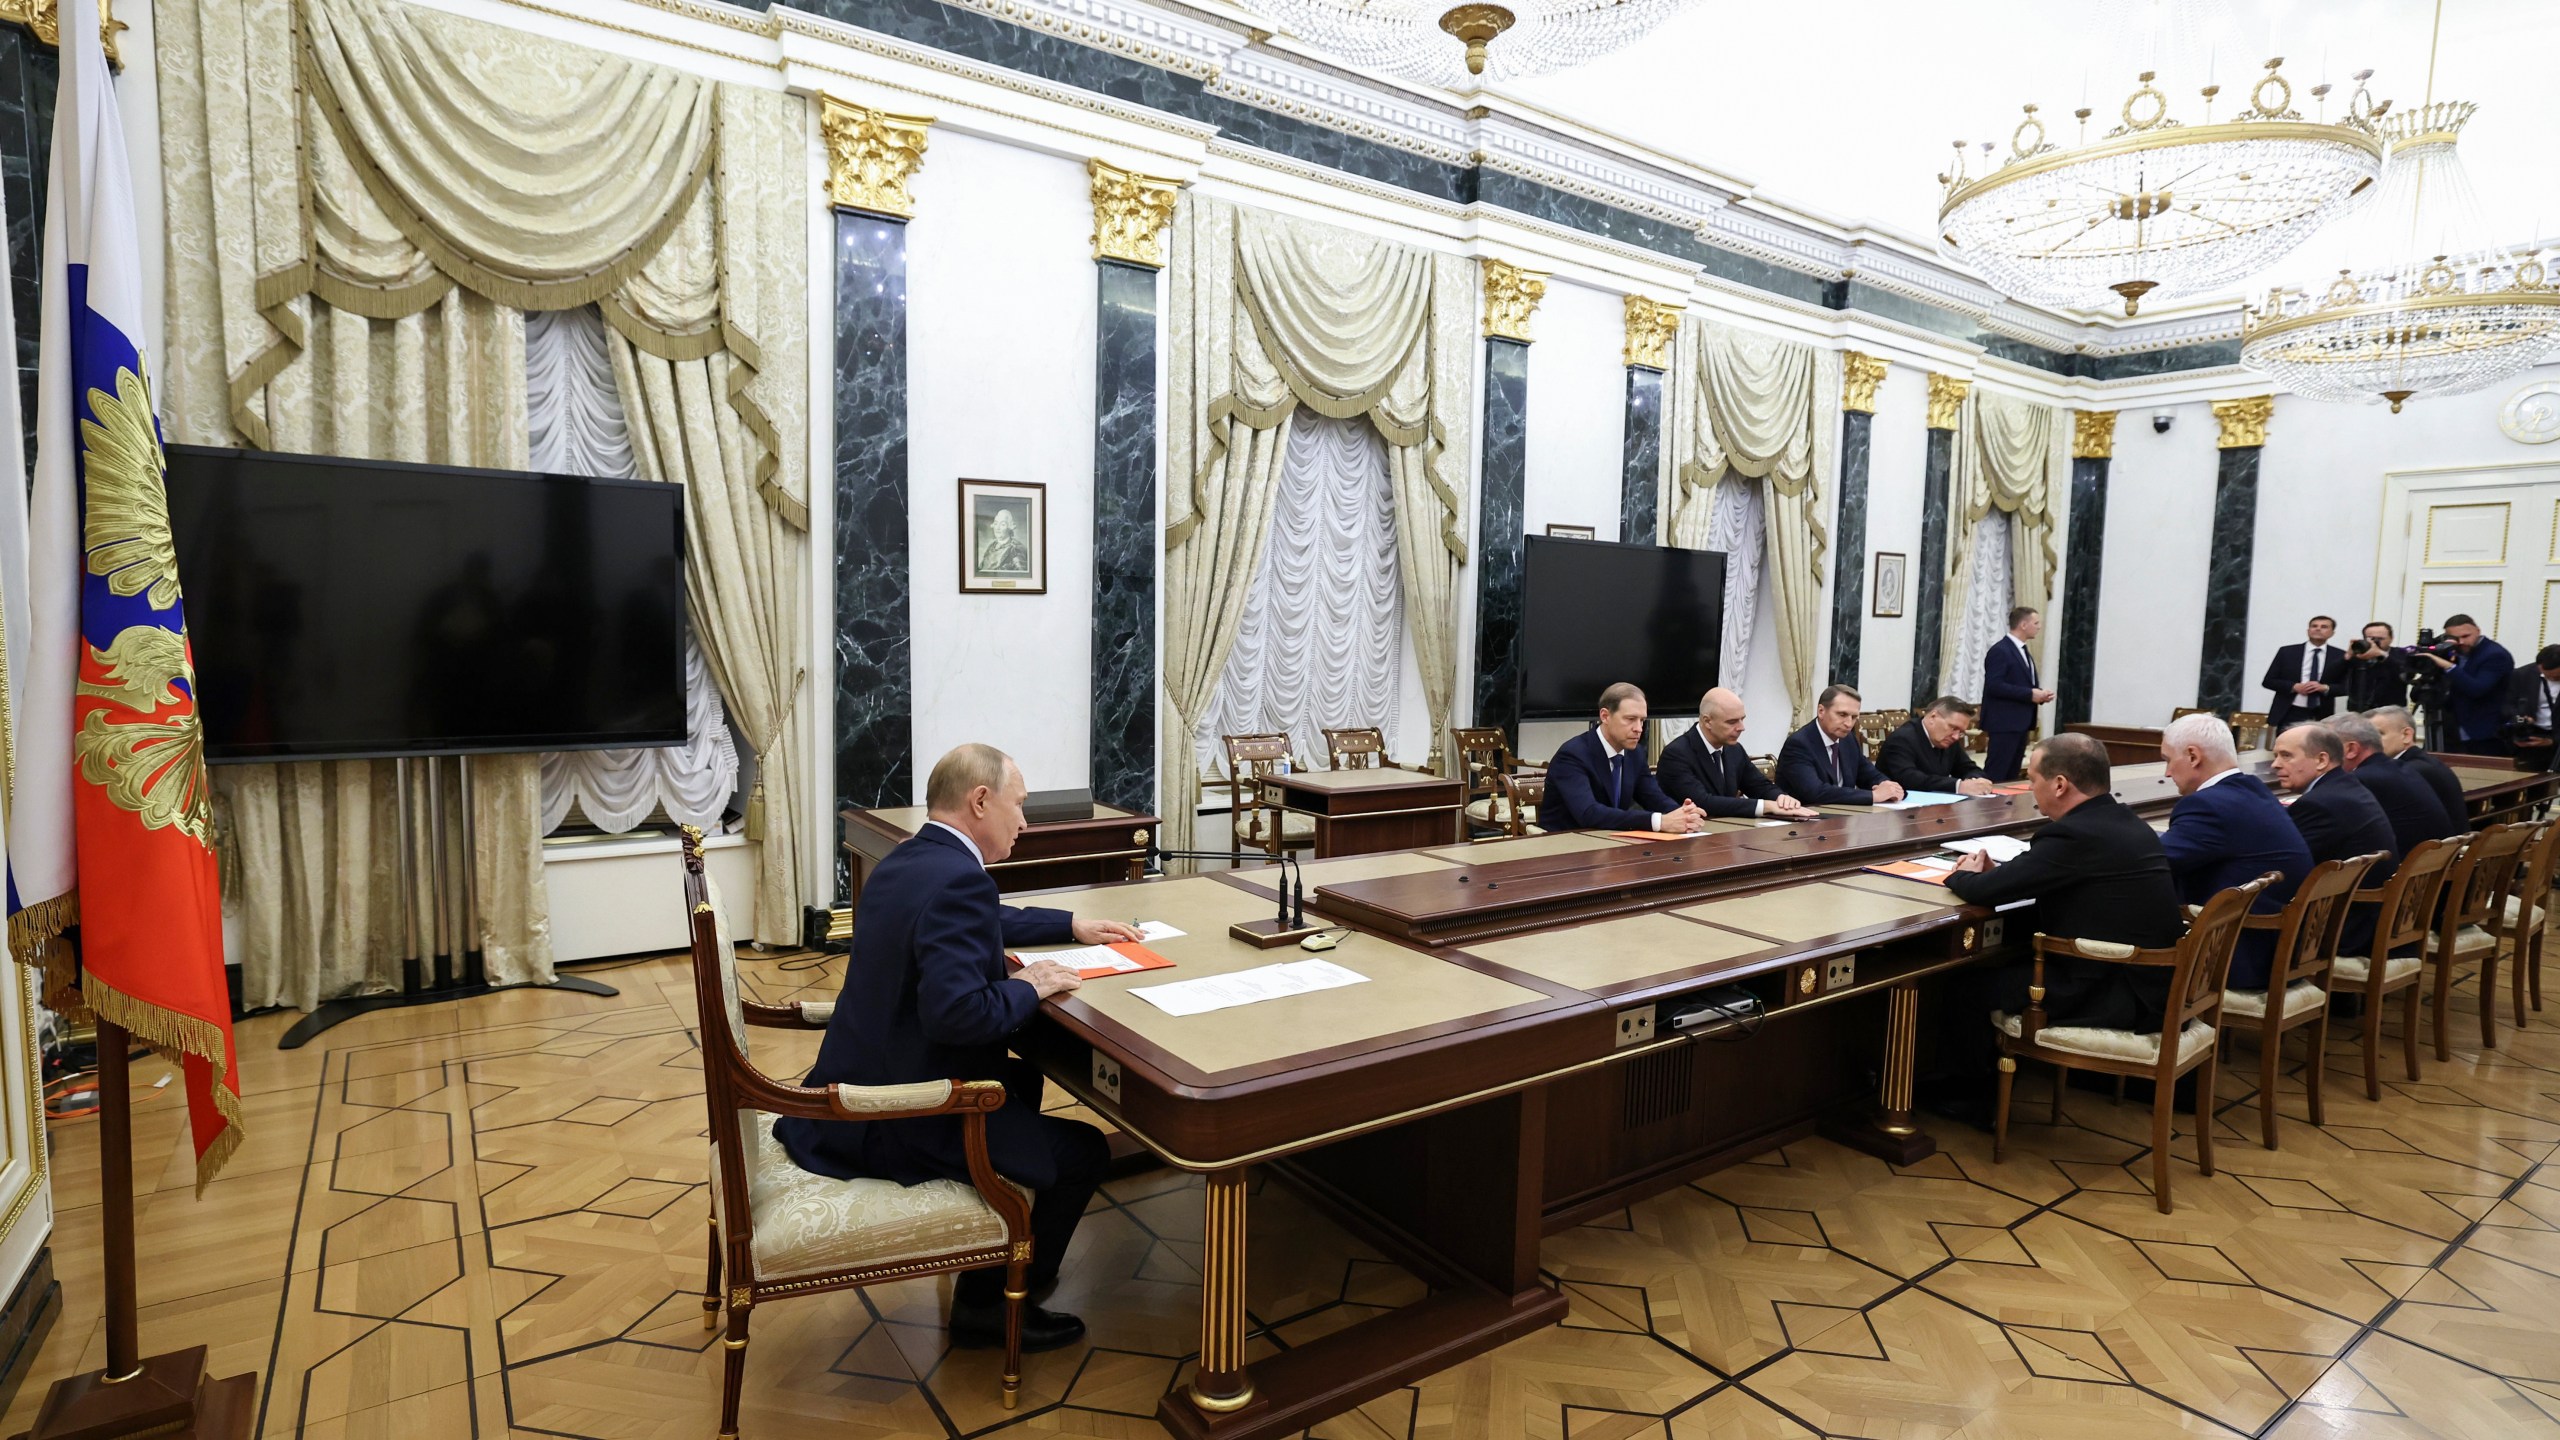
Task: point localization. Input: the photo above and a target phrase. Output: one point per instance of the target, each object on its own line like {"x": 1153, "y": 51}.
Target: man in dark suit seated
{"x": 1707, "y": 768}
{"x": 2010, "y": 694}
{"x": 2225, "y": 831}
{"x": 2338, "y": 818}
{"x": 1928, "y": 752}
{"x": 2530, "y": 699}
{"x": 1598, "y": 779}
{"x": 2399, "y": 732}
{"x": 1822, "y": 764}
{"x": 928, "y": 996}
{"x": 2414, "y": 810}
{"x": 2304, "y": 677}
{"x": 2096, "y": 873}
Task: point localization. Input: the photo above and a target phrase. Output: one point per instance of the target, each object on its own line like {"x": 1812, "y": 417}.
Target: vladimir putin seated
{"x": 2414, "y": 811}
{"x": 2227, "y": 830}
{"x": 928, "y": 996}
{"x": 1598, "y": 779}
{"x": 1928, "y": 754}
{"x": 1707, "y": 768}
{"x": 1823, "y": 764}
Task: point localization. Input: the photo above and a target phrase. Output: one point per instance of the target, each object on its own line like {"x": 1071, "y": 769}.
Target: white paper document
{"x": 1922, "y": 799}
{"x": 1245, "y": 987}
{"x": 1157, "y": 930}
{"x": 1090, "y": 960}
{"x": 2003, "y": 848}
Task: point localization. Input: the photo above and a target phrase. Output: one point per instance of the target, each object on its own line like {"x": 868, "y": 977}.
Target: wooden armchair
{"x": 2404, "y": 917}
{"x": 2248, "y": 731}
{"x": 1363, "y": 748}
{"x": 2306, "y": 946}
{"x": 1255, "y": 818}
{"x": 2183, "y": 711}
{"x": 1520, "y": 796}
{"x": 2475, "y": 904}
{"x": 1875, "y": 725}
{"x": 778, "y": 1230}
{"x": 2197, "y": 967}
{"x": 2526, "y": 906}
{"x": 1484, "y": 757}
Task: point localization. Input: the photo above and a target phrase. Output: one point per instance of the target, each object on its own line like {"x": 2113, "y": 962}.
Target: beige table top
{"x": 1616, "y": 952}
{"x": 911, "y": 818}
{"x": 1406, "y": 989}
{"x": 1810, "y": 912}
{"x": 1359, "y": 780}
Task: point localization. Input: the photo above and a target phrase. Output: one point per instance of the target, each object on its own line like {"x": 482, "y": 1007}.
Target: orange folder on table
{"x": 1139, "y": 959}
{"x": 1914, "y": 870}
{"x": 2014, "y": 787}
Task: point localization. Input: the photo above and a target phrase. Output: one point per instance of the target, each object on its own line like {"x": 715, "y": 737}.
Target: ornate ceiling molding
{"x": 1280, "y": 82}
{"x": 1179, "y": 41}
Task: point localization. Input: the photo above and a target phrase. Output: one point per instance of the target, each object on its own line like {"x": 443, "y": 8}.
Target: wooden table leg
{"x": 1221, "y": 1385}
{"x": 1892, "y": 1134}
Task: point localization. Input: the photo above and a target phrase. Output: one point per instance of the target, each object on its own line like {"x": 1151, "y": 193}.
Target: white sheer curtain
{"x": 1323, "y": 624}
{"x": 576, "y": 426}
{"x": 1737, "y": 524}
{"x": 1985, "y": 617}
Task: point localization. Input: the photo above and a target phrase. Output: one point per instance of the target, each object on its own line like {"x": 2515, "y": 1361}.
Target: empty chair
{"x": 2298, "y": 977}
{"x": 1520, "y": 795}
{"x": 1256, "y": 817}
{"x": 2197, "y": 967}
{"x": 1484, "y": 756}
{"x": 1360, "y": 748}
{"x": 2475, "y": 900}
{"x": 2404, "y": 920}
{"x": 2526, "y": 906}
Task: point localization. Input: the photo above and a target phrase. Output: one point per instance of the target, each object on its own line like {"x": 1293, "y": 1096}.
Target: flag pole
{"x": 115, "y": 1181}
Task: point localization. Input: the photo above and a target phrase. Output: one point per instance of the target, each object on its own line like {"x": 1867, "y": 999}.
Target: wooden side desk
{"x": 1111, "y": 846}
{"x": 1363, "y": 812}
{"x": 2126, "y": 744}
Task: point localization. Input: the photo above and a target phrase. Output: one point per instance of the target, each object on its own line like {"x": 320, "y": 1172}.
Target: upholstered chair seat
{"x": 2356, "y": 969}
{"x": 2300, "y": 997}
{"x": 2108, "y": 1044}
{"x": 807, "y": 1223}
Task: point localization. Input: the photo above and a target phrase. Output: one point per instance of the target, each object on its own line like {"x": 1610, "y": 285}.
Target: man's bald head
{"x": 1720, "y": 716}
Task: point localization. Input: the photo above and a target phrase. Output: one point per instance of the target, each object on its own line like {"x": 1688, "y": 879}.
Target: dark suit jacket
{"x": 2228, "y": 835}
{"x": 2414, "y": 810}
{"x": 2286, "y": 672}
{"x": 1805, "y": 769}
{"x": 2339, "y": 818}
{"x": 2008, "y": 690}
{"x": 1915, "y": 764}
{"x": 1724, "y": 783}
{"x": 2097, "y": 873}
{"x": 2378, "y": 680}
{"x": 2524, "y": 694}
{"x": 2440, "y": 778}
{"x": 926, "y": 997}
{"x": 1578, "y": 789}
{"x": 2481, "y": 685}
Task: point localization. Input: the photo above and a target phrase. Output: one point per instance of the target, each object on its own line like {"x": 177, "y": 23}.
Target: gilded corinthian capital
{"x": 2093, "y": 434}
{"x": 1859, "y": 377}
{"x": 2244, "y": 422}
{"x": 1651, "y": 327}
{"x": 44, "y": 18}
{"x": 1946, "y": 399}
{"x": 1511, "y": 296}
{"x": 1130, "y": 212}
{"x": 871, "y": 155}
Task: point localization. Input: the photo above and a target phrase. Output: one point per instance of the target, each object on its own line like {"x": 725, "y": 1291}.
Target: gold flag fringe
{"x": 167, "y": 1030}
{"x": 35, "y": 937}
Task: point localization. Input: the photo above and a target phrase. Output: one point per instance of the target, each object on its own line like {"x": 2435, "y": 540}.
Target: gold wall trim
{"x": 43, "y": 19}
{"x": 1511, "y": 296}
{"x": 2506, "y": 519}
{"x": 1946, "y": 400}
{"x": 2243, "y": 422}
{"x": 1860, "y": 374}
{"x": 1130, "y": 212}
{"x": 1651, "y": 327}
{"x": 2093, "y": 434}
{"x": 871, "y": 155}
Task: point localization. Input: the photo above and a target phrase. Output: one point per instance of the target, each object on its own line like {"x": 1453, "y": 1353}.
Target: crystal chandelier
{"x": 1459, "y": 47}
{"x": 2434, "y": 311}
{"x": 2156, "y": 204}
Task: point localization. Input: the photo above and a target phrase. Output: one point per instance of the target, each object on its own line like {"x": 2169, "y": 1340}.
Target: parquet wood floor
{"x": 486, "y": 1219}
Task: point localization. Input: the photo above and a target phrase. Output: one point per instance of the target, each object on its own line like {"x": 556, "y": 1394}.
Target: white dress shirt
{"x": 974, "y": 852}
{"x": 2216, "y": 778}
{"x": 2311, "y": 662}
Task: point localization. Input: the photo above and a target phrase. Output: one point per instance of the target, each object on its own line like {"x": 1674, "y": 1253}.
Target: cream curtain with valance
{"x": 1745, "y": 407}
{"x": 362, "y": 201}
{"x": 1269, "y": 314}
{"x": 2011, "y": 457}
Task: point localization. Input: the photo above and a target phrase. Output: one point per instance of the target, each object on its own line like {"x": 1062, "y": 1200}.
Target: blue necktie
{"x": 1617, "y": 780}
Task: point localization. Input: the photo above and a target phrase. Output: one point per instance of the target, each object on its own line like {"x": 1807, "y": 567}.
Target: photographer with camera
{"x": 2377, "y": 675}
{"x": 2478, "y": 677}
{"x": 2530, "y": 698}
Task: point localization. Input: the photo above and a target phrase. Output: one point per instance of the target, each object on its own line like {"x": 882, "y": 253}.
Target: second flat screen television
{"x": 1593, "y": 613}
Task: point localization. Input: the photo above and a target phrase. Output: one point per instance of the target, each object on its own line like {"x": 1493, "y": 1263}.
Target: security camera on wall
{"x": 2160, "y": 423}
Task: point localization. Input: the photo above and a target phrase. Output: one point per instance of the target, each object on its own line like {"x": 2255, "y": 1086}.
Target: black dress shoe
{"x": 981, "y": 1327}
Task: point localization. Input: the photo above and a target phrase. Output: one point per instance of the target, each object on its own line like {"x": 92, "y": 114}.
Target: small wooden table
{"x": 1363, "y": 812}
{"x": 1106, "y": 849}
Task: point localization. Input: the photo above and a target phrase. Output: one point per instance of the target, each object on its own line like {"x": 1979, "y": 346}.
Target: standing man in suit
{"x": 1707, "y": 768}
{"x": 1598, "y": 779}
{"x": 2399, "y": 732}
{"x": 2010, "y": 694}
{"x": 2377, "y": 674}
{"x": 2303, "y": 676}
{"x": 1928, "y": 752}
{"x": 1822, "y": 764}
{"x": 2530, "y": 696}
{"x": 2413, "y": 810}
{"x": 2228, "y": 830}
{"x": 928, "y": 995}
{"x": 2096, "y": 873}
{"x": 2479, "y": 684}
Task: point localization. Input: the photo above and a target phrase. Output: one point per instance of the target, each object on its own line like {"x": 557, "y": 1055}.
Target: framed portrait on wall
{"x": 1574, "y": 532}
{"x": 1004, "y": 537}
{"x": 1890, "y": 568}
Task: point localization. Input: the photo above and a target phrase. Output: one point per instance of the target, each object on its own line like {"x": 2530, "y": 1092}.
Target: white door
{"x": 2483, "y": 543}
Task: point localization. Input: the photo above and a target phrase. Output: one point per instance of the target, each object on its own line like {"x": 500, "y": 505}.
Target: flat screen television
{"x": 1593, "y": 613}
{"x": 352, "y": 608}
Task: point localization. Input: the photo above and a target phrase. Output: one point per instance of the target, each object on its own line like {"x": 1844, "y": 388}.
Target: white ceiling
{"x": 1847, "y": 107}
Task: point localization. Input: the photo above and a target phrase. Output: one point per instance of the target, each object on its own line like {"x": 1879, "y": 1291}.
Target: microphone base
{"x": 1271, "y": 934}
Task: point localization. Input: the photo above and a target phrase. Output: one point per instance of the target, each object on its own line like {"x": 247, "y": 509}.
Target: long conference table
{"x": 1507, "y": 1066}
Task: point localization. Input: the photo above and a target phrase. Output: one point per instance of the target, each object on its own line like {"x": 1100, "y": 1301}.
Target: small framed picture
{"x": 1573, "y": 532}
{"x": 1004, "y": 537}
{"x": 1890, "y": 566}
